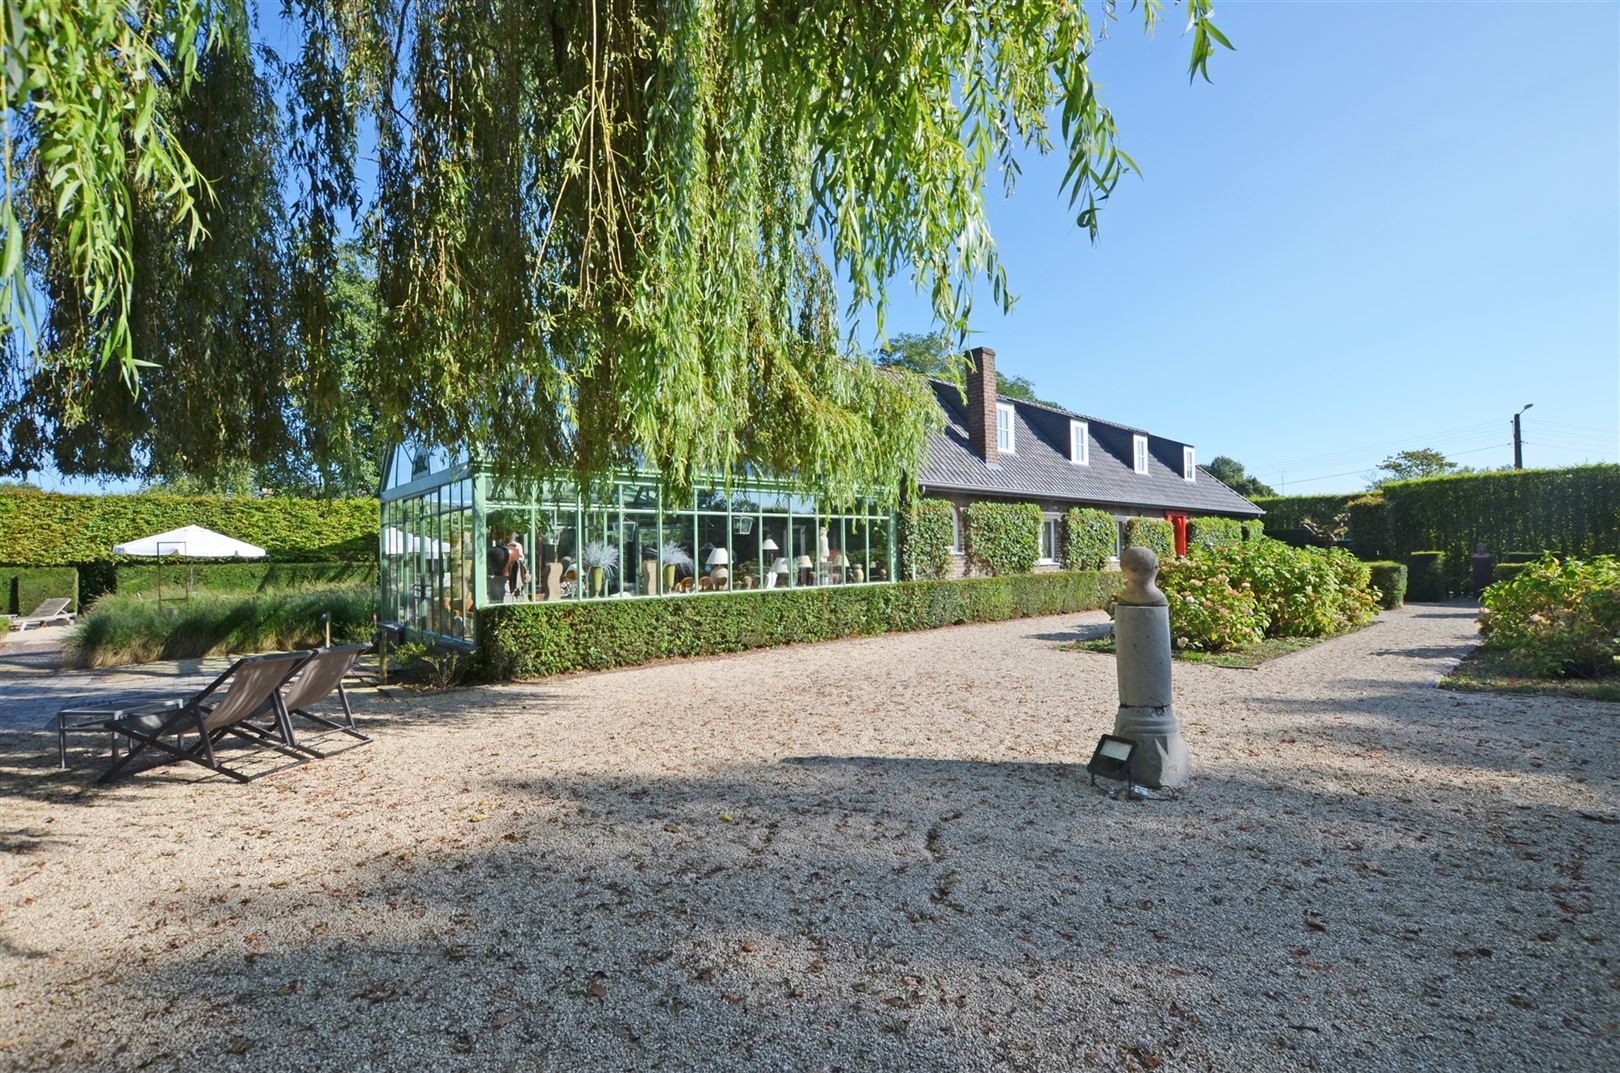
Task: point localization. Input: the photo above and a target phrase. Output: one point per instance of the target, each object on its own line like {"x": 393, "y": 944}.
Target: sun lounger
{"x": 221, "y": 710}
{"x": 46, "y": 614}
{"x": 315, "y": 681}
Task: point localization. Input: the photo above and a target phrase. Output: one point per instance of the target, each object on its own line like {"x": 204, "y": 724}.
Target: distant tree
{"x": 19, "y": 486}
{"x": 1229, "y": 471}
{"x": 1408, "y": 465}
{"x": 931, "y": 356}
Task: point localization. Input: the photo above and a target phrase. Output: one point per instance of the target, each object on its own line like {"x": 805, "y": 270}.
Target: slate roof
{"x": 1041, "y": 468}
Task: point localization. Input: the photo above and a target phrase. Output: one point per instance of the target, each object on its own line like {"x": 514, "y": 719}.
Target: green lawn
{"x": 1486, "y": 671}
{"x": 1246, "y": 659}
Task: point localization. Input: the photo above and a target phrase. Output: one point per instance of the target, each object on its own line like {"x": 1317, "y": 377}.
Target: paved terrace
{"x": 877, "y": 854}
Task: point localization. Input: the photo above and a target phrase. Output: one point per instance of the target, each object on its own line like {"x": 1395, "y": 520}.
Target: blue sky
{"x": 1383, "y": 226}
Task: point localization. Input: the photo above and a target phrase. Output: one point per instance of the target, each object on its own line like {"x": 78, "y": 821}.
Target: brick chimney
{"x": 981, "y": 401}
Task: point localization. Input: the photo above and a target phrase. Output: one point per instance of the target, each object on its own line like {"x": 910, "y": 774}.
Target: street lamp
{"x": 1518, "y": 443}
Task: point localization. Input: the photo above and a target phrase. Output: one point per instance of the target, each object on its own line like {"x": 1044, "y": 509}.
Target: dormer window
{"x": 1080, "y": 443}
{"x": 1005, "y": 439}
{"x": 1139, "y": 454}
{"x": 1189, "y": 464}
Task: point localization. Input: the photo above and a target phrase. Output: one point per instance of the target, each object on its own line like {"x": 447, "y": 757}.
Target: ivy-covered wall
{"x": 48, "y": 529}
{"x": 1089, "y": 537}
{"x": 925, "y": 539}
{"x": 1154, "y": 533}
{"x": 1002, "y": 538}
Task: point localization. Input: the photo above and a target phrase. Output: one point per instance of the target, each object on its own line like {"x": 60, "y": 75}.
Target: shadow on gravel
{"x": 859, "y": 913}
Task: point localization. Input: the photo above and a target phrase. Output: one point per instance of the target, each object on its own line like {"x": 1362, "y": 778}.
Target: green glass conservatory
{"x": 453, "y": 540}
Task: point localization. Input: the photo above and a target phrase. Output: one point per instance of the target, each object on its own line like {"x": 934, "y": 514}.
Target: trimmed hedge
{"x": 1213, "y": 532}
{"x": 1089, "y": 537}
{"x": 536, "y": 640}
{"x": 1253, "y": 529}
{"x": 258, "y": 576}
{"x": 1426, "y": 575}
{"x": 1390, "y": 580}
{"x": 1155, "y": 533}
{"x": 24, "y": 588}
{"x": 925, "y": 539}
{"x": 1573, "y": 511}
{"x": 1290, "y": 512}
{"x": 1506, "y": 571}
{"x": 51, "y": 529}
{"x": 1002, "y": 538}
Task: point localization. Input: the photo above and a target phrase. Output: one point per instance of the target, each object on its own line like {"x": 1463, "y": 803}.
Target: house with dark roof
{"x": 1000, "y": 448}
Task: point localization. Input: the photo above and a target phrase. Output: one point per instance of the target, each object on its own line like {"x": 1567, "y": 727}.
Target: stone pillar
{"x": 1142, "y": 660}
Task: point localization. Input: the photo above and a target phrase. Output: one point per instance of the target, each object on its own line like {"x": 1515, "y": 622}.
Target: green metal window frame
{"x": 437, "y": 533}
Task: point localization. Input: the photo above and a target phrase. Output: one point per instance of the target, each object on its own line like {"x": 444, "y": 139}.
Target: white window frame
{"x": 1139, "y": 453}
{"x": 1011, "y": 447}
{"x": 1080, "y": 443}
{"x": 1052, "y": 523}
{"x": 956, "y": 530}
{"x": 1189, "y": 464}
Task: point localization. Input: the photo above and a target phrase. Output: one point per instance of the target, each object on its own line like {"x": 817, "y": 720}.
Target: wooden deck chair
{"x": 315, "y": 681}
{"x": 221, "y": 710}
{"x": 46, "y": 614}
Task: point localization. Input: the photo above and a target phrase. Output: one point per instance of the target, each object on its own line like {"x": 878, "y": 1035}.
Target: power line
{"x": 1464, "y": 432}
{"x": 1347, "y": 473}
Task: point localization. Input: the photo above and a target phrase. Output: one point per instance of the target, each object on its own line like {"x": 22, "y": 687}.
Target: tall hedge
{"x": 1573, "y": 511}
{"x": 1002, "y": 538}
{"x": 256, "y": 576}
{"x": 926, "y": 530}
{"x": 24, "y": 588}
{"x": 1089, "y": 538}
{"x": 1290, "y": 512}
{"x": 1426, "y": 575}
{"x": 1154, "y": 533}
{"x": 535, "y": 640}
{"x": 51, "y": 529}
{"x": 1213, "y": 532}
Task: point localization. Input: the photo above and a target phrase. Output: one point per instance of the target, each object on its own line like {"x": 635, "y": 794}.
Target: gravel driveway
{"x": 863, "y": 855}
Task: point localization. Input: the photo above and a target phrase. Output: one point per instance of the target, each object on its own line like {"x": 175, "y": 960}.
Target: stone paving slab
{"x": 33, "y": 687}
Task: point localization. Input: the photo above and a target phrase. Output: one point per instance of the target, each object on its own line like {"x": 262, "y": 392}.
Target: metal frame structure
{"x": 443, "y": 518}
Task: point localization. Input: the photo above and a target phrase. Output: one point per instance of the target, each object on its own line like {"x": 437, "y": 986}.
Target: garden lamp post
{"x": 1518, "y": 442}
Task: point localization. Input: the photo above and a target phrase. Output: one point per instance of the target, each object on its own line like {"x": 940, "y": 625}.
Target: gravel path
{"x": 872, "y": 854}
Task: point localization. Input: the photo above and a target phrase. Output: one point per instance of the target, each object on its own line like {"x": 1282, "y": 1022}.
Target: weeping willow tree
{"x": 605, "y": 234}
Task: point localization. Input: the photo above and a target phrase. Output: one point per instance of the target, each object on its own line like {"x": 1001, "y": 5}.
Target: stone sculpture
{"x": 1142, "y": 660}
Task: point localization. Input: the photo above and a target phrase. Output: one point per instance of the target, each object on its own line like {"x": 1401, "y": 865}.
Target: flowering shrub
{"x": 1557, "y": 619}
{"x": 1229, "y": 597}
{"x": 1208, "y": 611}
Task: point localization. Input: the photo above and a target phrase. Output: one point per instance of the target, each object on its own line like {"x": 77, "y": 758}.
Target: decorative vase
{"x": 859, "y": 574}
{"x": 669, "y": 577}
{"x": 598, "y": 579}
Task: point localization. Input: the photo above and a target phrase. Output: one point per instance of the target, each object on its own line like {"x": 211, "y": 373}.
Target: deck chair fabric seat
{"x": 47, "y": 613}
{"x": 223, "y": 709}
{"x": 315, "y": 681}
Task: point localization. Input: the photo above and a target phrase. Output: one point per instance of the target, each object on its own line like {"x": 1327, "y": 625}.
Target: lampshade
{"x": 769, "y": 545}
{"x": 780, "y": 566}
{"x": 718, "y": 557}
{"x": 803, "y": 562}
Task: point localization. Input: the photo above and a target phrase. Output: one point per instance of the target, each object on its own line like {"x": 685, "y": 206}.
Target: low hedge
{"x": 216, "y": 577}
{"x": 1426, "y": 575}
{"x": 536, "y": 640}
{"x": 1002, "y": 538}
{"x": 1557, "y": 618}
{"x": 1253, "y": 529}
{"x": 1089, "y": 538}
{"x": 1390, "y": 580}
{"x": 128, "y": 629}
{"x": 24, "y": 588}
{"x": 1156, "y": 534}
